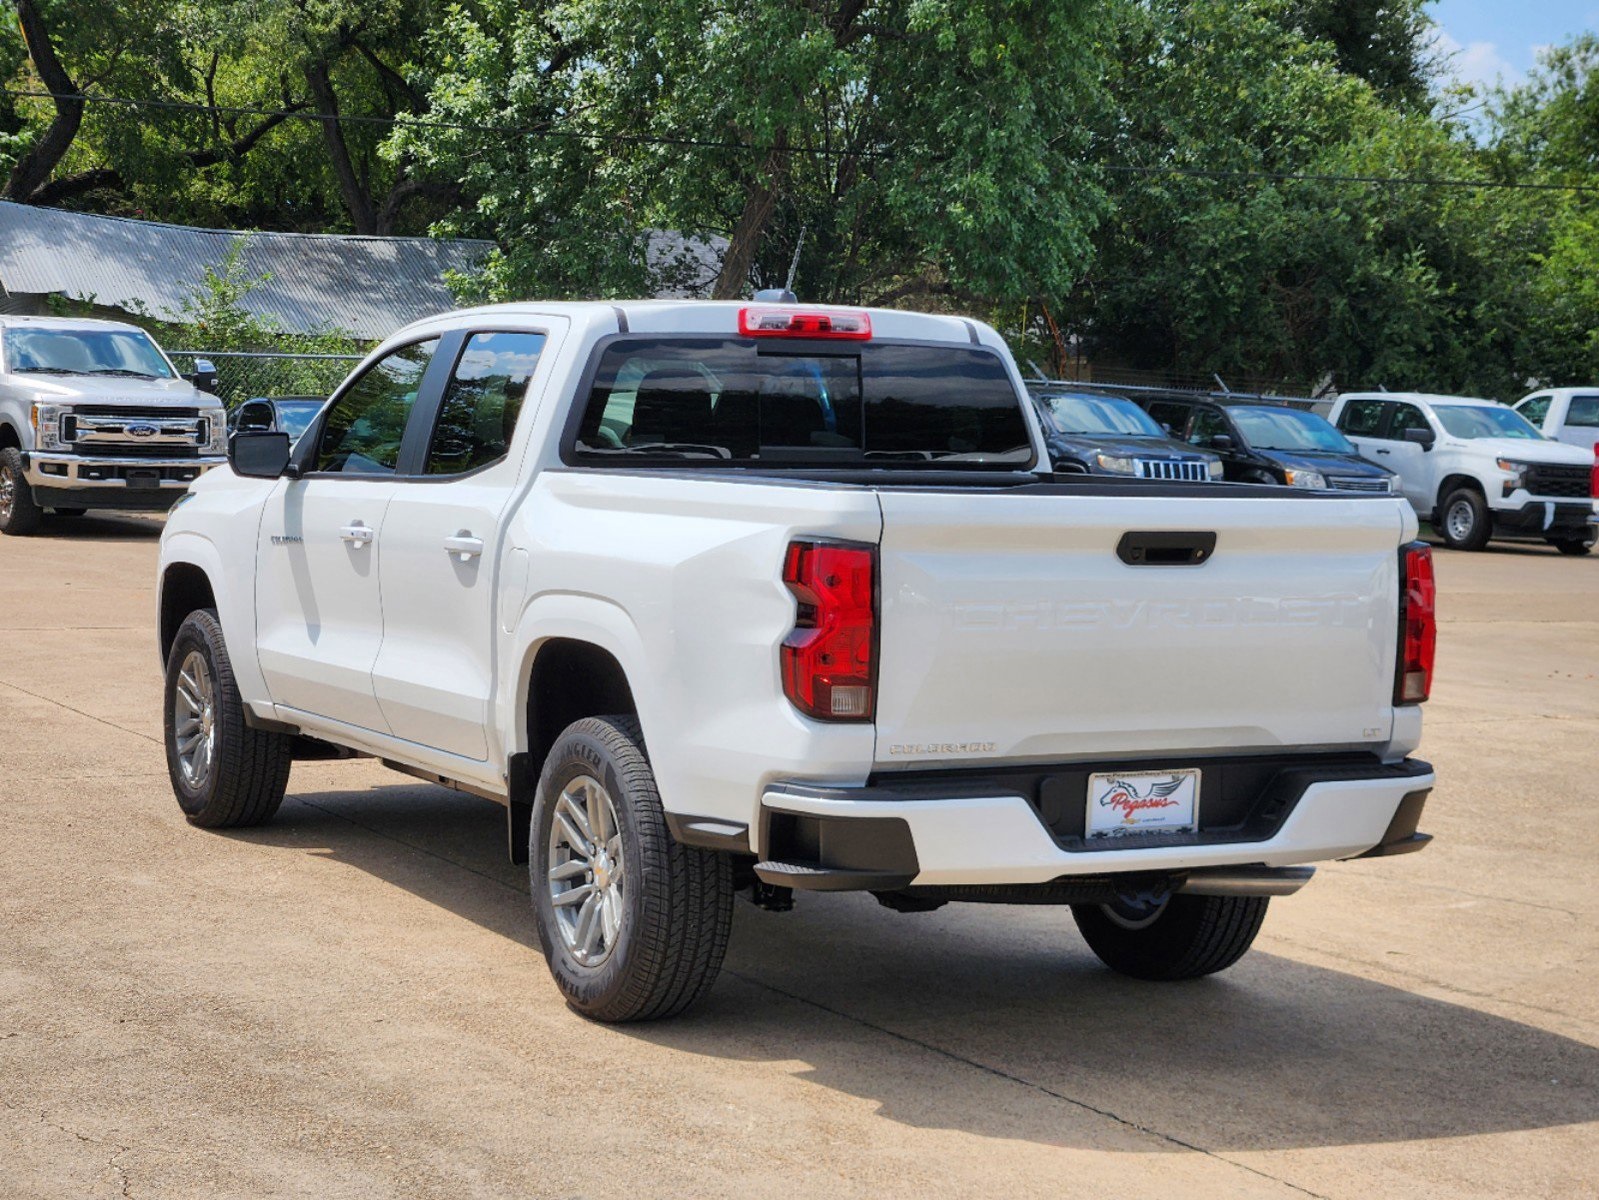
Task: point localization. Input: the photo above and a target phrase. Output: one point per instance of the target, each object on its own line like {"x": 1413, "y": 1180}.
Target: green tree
{"x": 927, "y": 147}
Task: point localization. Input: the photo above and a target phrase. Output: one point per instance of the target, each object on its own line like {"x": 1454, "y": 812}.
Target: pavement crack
{"x": 1001, "y": 1073}
{"x": 87, "y": 716}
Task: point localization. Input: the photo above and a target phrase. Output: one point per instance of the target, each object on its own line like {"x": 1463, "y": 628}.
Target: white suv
{"x": 1475, "y": 468}
{"x": 1568, "y": 415}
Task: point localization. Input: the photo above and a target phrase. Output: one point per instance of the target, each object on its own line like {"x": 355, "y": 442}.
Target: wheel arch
{"x": 184, "y": 588}
{"x": 10, "y": 438}
{"x": 1455, "y": 482}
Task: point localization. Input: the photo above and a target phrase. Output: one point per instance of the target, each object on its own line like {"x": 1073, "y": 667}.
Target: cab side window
{"x": 477, "y": 415}
{"x": 1535, "y": 409}
{"x": 1172, "y": 416}
{"x": 1362, "y": 418}
{"x": 362, "y": 431}
{"x": 1406, "y": 416}
{"x": 1207, "y": 425}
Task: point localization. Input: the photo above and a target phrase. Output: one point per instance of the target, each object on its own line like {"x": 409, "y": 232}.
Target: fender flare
{"x": 235, "y": 611}
{"x": 579, "y": 617}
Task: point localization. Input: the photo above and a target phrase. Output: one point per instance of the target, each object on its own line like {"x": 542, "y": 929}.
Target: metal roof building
{"x": 367, "y": 286}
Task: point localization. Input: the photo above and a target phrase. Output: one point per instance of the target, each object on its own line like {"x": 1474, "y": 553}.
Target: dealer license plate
{"x": 1123, "y": 802}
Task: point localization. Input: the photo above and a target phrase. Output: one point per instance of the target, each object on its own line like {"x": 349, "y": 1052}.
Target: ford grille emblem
{"x": 141, "y": 431}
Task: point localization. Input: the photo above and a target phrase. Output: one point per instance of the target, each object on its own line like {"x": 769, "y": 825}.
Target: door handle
{"x": 358, "y": 534}
{"x": 464, "y": 544}
{"x": 1382, "y": 452}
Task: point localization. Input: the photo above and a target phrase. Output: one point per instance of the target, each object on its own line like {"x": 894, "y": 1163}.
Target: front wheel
{"x": 224, "y": 773}
{"x": 633, "y": 924}
{"x": 1185, "y": 938}
{"x": 1465, "y": 521}
{"x": 1574, "y": 546}
{"x": 19, "y": 515}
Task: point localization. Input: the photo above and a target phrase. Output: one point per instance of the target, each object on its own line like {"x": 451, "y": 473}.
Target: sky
{"x": 1501, "y": 38}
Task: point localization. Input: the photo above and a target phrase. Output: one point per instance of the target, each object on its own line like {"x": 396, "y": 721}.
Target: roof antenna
{"x": 1221, "y": 383}
{"x": 1038, "y": 370}
{"x": 785, "y": 294}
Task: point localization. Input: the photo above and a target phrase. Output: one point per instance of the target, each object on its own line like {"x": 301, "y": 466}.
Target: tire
{"x": 1189, "y": 937}
{"x": 19, "y": 515}
{"x": 245, "y": 771}
{"x": 1464, "y": 521}
{"x": 660, "y": 944}
{"x": 1572, "y": 546}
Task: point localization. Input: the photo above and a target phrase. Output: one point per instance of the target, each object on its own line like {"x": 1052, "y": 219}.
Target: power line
{"x": 292, "y": 114}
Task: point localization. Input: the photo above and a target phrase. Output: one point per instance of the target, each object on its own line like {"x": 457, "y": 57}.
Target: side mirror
{"x": 1222, "y": 442}
{"x": 204, "y": 375}
{"x": 1422, "y": 437}
{"x": 259, "y": 455}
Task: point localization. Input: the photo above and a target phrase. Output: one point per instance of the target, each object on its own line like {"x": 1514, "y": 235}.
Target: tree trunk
{"x": 36, "y": 166}
{"x": 362, "y": 212}
{"x": 759, "y": 205}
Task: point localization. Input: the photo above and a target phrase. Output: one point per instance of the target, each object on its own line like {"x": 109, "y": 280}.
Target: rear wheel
{"x": 1186, "y": 937}
{"x": 633, "y": 924}
{"x": 1571, "y": 545}
{"x": 224, "y": 773}
{"x": 1464, "y": 521}
{"x": 19, "y": 515}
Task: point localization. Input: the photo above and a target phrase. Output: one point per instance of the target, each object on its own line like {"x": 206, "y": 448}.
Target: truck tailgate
{"x": 1012, "y": 630}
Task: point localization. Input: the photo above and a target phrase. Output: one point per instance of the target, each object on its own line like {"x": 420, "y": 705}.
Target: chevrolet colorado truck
{"x": 722, "y": 596}
{"x": 93, "y": 415}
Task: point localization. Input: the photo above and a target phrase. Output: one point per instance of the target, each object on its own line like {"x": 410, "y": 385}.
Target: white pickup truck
{"x": 93, "y": 415}
{"x": 716, "y": 596}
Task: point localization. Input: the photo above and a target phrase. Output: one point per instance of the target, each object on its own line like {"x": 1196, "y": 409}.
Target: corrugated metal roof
{"x": 368, "y": 286}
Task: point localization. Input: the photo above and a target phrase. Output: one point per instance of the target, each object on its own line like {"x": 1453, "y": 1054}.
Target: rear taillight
{"x": 830, "y": 660}
{"x": 1418, "y": 625}
{"x": 1593, "y": 475}
{"x": 847, "y": 324}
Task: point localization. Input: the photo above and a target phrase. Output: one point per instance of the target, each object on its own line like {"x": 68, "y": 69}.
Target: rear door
{"x": 1012, "y": 629}
{"x": 435, "y": 671}
{"x": 1362, "y": 421}
{"x": 319, "y": 611}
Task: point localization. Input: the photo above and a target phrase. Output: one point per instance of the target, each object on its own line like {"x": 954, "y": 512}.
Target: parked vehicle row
{"x": 720, "y": 596}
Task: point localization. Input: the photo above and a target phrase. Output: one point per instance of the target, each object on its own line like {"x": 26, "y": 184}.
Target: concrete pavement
{"x": 350, "y": 1002}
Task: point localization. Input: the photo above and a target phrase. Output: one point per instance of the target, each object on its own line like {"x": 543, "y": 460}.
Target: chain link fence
{"x": 244, "y": 374}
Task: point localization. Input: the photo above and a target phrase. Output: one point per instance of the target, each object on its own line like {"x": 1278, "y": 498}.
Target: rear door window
{"x": 482, "y": 401}
{"x": 1170, "y": 415}
{"x": 710, "y": 401}
{"x": 1584, "y": 413}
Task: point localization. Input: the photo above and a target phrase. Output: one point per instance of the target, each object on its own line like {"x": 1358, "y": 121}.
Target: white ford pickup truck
{"x": 93, "y": 415}
{"x": 715, "y": 596}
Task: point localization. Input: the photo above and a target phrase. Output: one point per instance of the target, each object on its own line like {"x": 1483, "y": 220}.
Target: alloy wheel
{"x": 587, "y": 880}
{"x": 194, "y": 711}
{"x": 1460, "y": 520}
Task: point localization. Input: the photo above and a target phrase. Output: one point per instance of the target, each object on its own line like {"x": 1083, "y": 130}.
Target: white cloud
{"x": 1478, "y": 63}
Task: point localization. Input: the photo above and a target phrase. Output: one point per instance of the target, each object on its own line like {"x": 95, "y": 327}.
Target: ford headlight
{"x": 217, "y": 423}
{"x": 1217, "y": 468}
{"x": 1517, "y": 471}
{"x": 47, "y": 426}
{"x": 1306, "y": 479}
{"x": 1116, "y": 464}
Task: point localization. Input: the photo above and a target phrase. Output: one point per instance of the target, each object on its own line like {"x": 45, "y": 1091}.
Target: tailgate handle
{"x": 1165, "y": 548}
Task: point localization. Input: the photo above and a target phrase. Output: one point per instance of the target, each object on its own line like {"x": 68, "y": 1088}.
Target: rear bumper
{"x": 888, "y": 837}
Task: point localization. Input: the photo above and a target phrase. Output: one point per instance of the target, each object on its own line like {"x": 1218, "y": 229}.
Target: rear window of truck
{"x": 716, "y": 402}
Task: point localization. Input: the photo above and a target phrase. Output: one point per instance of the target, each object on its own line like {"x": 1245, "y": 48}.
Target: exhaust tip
{"x": 1247, "y": 881}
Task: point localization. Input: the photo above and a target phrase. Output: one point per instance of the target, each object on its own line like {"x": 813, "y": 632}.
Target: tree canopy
{"x": 1183, "y": 186}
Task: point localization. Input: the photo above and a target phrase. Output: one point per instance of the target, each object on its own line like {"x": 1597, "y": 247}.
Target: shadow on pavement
{"x": 1273, "y": 1054}
{"x": 102, "y": 527}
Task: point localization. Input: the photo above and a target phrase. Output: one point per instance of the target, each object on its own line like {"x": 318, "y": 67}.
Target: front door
{"x": 319, "y": 615}
{"x": 1413, "y": 461}
{"x": 435, "y": 674}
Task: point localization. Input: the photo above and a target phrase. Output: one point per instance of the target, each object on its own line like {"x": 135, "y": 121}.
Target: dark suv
{"x": 1263, "y": 442}
{"x": 1093, "y": 434}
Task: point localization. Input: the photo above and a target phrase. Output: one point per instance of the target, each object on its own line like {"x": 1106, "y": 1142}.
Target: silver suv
{"x": 94, "y": 415}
